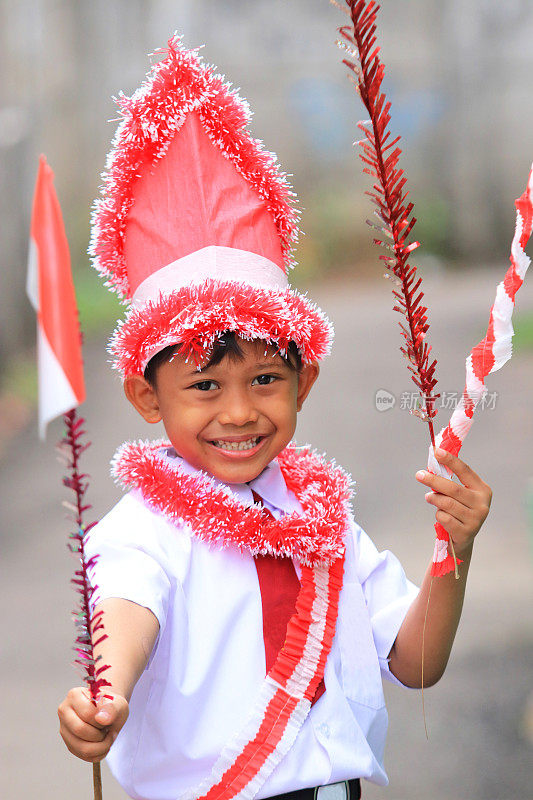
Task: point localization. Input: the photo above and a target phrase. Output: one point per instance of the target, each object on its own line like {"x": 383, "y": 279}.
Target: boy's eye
{"x": 205, "y": 386}
{"x": 263, "y": 380}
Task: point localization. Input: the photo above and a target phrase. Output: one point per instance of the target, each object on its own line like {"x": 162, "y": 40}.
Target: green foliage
{"x": 433, "y": 225}
{"x": 337, "y": 239}
{"x": 20, "y": 378}
{"x": 99, "y": 309}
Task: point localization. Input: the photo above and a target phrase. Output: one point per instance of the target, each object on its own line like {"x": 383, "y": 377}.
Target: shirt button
{"x": 324, "y": 729}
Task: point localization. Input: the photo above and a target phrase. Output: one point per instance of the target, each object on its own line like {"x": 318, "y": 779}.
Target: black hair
{"x": 226, "y": 345}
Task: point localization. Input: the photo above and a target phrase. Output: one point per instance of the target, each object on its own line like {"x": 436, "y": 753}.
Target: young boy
{"x": 248, "y": 616}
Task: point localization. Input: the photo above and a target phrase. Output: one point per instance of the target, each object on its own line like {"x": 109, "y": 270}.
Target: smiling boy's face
{"x": 230, "y": 419}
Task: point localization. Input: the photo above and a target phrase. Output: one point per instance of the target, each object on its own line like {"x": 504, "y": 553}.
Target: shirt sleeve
{"x": 131, "y": 558}
{"x": 387, "y": 592}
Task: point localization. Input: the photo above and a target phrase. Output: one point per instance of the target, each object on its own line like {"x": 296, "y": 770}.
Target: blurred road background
{"x": 459, "y": 75}
{"x": 479, "y": 747}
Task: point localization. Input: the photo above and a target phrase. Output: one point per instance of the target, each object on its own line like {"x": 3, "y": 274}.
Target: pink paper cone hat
{"x": 195, "y": 224}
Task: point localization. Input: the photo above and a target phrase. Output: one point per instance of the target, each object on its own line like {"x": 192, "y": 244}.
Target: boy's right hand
{"x": 88, "y": 730}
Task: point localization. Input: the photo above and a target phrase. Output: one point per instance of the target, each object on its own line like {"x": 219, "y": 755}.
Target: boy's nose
{"x": 239, "y": 411}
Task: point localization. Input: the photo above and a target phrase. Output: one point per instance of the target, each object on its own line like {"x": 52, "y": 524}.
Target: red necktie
{"x": 279, "y": 586}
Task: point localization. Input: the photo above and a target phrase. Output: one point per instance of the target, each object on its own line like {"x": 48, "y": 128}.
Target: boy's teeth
{"x": 246, "y": 445}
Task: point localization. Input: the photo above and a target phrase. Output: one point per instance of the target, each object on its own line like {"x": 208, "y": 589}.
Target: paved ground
{"x": 478, "y": 748}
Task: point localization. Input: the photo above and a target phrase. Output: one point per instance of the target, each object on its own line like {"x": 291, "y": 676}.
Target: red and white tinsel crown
{"x": 196, "y": 222}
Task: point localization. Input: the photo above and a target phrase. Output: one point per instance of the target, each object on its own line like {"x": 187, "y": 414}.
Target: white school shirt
{"x": 209, "y": 659}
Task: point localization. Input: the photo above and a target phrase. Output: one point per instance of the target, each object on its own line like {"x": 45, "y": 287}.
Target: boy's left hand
{"x": 461, "y": 510}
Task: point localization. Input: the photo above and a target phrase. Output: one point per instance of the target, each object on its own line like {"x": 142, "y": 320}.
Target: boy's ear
{"x": 143, "y": 397}
{"x": 306, "y": 378}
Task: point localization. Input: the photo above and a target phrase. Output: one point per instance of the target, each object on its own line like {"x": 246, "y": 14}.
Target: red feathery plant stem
{"x": 89, "y": 627}
{"x": 380, "y": 155}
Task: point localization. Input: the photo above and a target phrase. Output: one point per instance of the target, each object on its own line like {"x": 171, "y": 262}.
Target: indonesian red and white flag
{"x": 51, "y": 292}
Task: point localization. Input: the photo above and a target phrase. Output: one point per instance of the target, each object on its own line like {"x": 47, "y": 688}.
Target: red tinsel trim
{"x": 380, "y": 156}
{"x": 197, "y": 315}
{"x": 217, "y": 518}
{"x": 175, "y": 86}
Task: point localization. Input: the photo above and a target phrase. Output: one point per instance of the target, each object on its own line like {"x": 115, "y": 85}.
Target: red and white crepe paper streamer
{"x": 285, "y": 697}
{"x": 486, "y": 357}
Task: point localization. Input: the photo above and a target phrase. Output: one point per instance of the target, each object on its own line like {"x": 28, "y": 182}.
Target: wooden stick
{"x": 97, "y": 781}
{"x": 455, "y": 564}
{"x": 423, "y": 657}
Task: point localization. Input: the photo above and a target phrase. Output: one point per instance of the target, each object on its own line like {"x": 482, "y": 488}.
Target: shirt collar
{"x": 269, "y": 485}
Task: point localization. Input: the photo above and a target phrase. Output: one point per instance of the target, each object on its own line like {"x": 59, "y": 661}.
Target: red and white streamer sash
{"x": 285, "y": 696}
{"x": 315, "y": 537}
{"x": 486, "y": 357}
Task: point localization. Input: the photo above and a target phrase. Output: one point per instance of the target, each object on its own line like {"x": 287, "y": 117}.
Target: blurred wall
{"x": 458, "y": 73}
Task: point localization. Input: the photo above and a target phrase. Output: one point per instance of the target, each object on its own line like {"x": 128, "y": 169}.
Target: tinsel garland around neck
{"x": 217, "y": 517}
{"x": 315, "y": 537}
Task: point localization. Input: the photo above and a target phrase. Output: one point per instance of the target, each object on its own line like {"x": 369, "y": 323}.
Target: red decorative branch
{"x": 380, "y": 155}
{"x": 89, "y": 627}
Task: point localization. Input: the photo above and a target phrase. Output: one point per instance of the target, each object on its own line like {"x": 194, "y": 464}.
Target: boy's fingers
{"x": 88, "y": 751}
{"x": 454, "y": 527}
{"x": 469, "y": 492}
{"x": 455, "y": 510}
{"x": 79, "y": 700}
{"x": 111, "y": 712}
{"x": 86, "y": 736}
{"x": 466, "y": 474}
{"x": 72, "y": 724}
{"x": 469, "y": 479}
{"x": 444, "y": 486}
